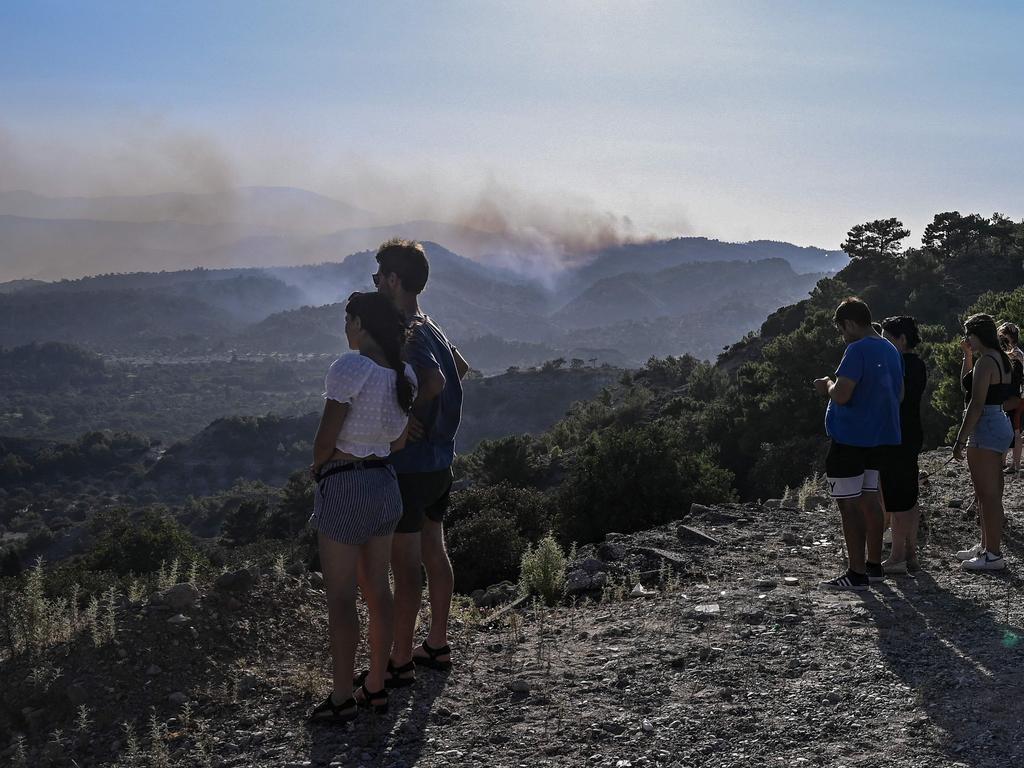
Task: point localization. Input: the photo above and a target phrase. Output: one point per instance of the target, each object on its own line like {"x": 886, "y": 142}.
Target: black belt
{"x": 366, "y": 464}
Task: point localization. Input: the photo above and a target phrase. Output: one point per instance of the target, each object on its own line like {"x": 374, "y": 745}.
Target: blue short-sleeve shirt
{"x": 429, "y": 349}
{"x": 872, "y": 415}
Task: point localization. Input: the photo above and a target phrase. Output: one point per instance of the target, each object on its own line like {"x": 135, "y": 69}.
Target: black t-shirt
{"x": 915, "y": 377}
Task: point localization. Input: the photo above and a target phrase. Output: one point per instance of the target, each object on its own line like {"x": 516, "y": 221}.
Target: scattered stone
{"x": 698, "y": 509}
{"x": 647, "y": 726}
{"x": 241, "y": 580}
{"x": 791, "y": 581}
{"x": 663, "y": 554}
{"x": 640, "y": 591}
{"x": 177, "y": 698}
{"x": 790, "y": 538}
{"x": 577, "y": 581}
{"x": 765, "y": 583}
{"x": 592, "y": 565}
{"x": 613, "y": 727}
{"x": 519, "y": 685}
{"x": 153, "y": 669}
{"x": 707, "y": 608}
{"x": 180, "y": 597}
{"x": 610, "y": 551}
{"x": 316, "y": 579}
{"x": 178, "y": 618}
{"x": 497, "y": 594}
{"x": 688, "y": 532}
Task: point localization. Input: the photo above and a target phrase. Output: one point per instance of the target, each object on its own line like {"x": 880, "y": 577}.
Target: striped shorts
{"x": 354, "y": 506}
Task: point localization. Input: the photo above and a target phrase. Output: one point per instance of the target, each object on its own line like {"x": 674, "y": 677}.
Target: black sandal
{"x": 430, "y": 660}
{"x": 329, "y": 712}
{"x": 393, "y": 680}
{"x": 376, "y": 702}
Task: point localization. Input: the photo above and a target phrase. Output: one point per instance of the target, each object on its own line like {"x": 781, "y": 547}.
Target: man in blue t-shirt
{"x": 863, "y": 421}
{"x": 424, "y": 467}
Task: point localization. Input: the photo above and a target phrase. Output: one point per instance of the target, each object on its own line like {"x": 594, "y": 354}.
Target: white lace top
{"x": 374, "y": 418}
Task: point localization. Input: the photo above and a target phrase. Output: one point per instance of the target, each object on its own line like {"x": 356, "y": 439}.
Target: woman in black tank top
{"x": 985, "y": 433}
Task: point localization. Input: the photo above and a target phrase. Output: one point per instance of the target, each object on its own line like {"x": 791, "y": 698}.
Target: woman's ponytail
{"x": 382, "y": 320}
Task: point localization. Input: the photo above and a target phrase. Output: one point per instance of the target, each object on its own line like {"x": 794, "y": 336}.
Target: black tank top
{"x": 997, "y": 393}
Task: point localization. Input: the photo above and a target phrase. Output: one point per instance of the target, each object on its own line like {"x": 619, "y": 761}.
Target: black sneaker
{"x": 875, "y": 571}
{"x": 851, "y": 580}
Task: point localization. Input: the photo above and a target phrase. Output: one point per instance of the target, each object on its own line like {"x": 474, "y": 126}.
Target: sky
{"x": 738, "y": 120}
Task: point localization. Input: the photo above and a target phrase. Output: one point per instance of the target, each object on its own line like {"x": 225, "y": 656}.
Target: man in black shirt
{"x": 899, "y": 477}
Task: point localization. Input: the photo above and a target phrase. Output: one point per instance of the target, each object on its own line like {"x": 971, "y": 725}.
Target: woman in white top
{"x": 357, "y": 503}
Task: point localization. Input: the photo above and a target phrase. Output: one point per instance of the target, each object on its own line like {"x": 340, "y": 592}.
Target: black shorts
{"x": 424, "y": 494}
{"x": 899, "y": 479}
{"x": 852, "y": 470}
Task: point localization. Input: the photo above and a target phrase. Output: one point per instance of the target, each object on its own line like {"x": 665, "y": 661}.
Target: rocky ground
{"x": 726, "y": 654}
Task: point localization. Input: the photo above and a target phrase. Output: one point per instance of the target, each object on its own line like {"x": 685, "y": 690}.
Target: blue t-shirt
{"x": 428, "y": 349}
{"x": 872, "y": 415}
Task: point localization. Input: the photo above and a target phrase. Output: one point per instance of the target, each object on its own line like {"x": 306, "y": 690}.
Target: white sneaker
{"x": 969, "y": 554}
{"x": 985, "y": 561}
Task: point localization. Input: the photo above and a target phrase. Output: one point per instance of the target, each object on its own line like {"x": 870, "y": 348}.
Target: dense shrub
{"x": 484, "y": 549}
{"x": 126, "y": 544}
{"x": 631, "y": 479}
{"x": 489, "y": 528}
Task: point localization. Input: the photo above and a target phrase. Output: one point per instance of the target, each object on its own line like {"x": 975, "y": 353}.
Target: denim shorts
{"x": 993, "y": 432}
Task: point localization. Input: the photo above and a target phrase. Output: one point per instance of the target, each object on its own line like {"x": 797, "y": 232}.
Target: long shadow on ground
{"x": 963, "y": 659}
{"x": 397, "y": 738}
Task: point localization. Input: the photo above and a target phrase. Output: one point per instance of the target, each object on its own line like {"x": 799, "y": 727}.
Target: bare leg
{"x": 986, "y": 472}
{"x": 440, "y": 583}
{"x": 1018, "y": 445}
{"x": 374, "y": 564}
{"x": 874, "y": 521}
{"x": 405, "y": 565}
{"x": 339, "y": 564}
{"x": 854, "y": 531}
{"x": 913, "y": 518}
{"x": 900, "y": 536}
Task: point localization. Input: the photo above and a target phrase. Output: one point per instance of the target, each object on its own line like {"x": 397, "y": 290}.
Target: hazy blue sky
{"x": 751, "y": 120}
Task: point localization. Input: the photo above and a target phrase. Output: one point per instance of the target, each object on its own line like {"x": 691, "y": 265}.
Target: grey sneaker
{"x": 970, "y": 553}
{"x": 985, "y": 561}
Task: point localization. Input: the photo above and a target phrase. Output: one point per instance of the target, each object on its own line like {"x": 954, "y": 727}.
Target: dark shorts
{"x": 424, "y": 494}
{"x": 355, "y": 506}
{"x": 899, "y": 479}
{"x": 851, "y": 470}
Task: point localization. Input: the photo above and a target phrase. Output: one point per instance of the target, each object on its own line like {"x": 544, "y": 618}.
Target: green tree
{"x": 950, "y": 234}
{"x": 881, "y": 237}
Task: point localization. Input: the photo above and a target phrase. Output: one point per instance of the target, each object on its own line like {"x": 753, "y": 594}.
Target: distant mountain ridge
{"x": 622, "y": 305}
{"x": 51, "y": 237}
{"x": 299, "y": 309}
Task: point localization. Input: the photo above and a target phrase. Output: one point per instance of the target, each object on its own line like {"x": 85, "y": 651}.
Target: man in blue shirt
{"x": 424, "y": 467}
{"x": 863, "y": 420}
